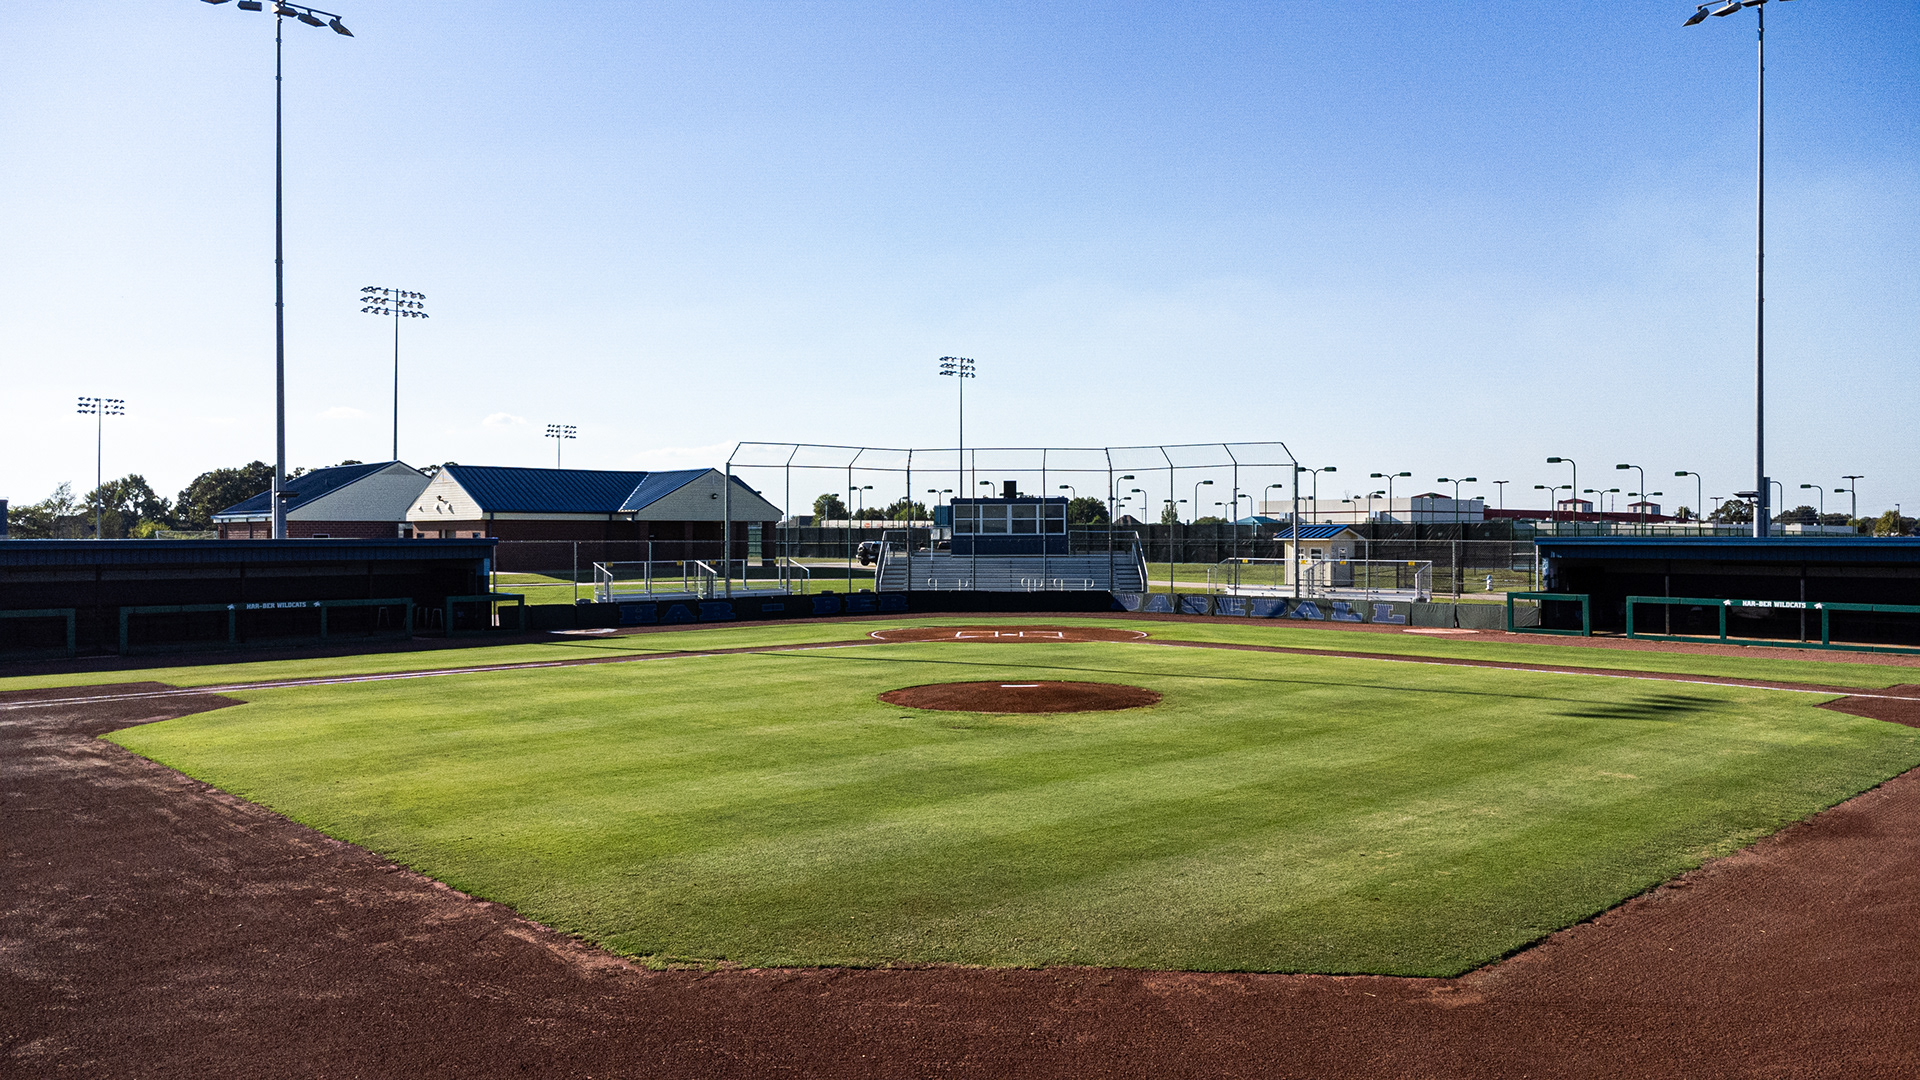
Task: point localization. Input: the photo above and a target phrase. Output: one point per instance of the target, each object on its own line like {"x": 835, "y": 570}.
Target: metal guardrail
{"x": 1725, "y": 607}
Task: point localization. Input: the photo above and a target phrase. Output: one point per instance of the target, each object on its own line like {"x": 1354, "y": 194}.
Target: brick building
{"x": 623, "y": 515}
{"x": 360, "y": 502}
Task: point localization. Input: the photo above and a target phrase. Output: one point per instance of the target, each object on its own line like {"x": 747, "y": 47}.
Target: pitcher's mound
{"x": 1021, "y": 697}
{"x": 1006, "y": 634}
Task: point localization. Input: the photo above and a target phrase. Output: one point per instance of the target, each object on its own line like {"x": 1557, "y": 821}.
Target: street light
{"x": 1853, "y": 492}
{"x": 1456, "y": 492}
{"x": 1554, "y": 499}
{"x": 100, "y": 408}
{"x": 1699, "y": 495}
{"x": 400, "y": 304}
{"x": 310, "y": 16}
{"x": 1570, "y": 487}
{"x": 1643, "y": 485}
{"x": 559, "y": 433}
{"x": 1388, "y": 477}
{"x": 961, "y": 369}
{"x": 1316, "y": 484}
{"x": 1502, "y": 486}
{"x": 1760, "y": 515}
{"x": 1823, "y": 503}
{"x": 1195, "y": 504}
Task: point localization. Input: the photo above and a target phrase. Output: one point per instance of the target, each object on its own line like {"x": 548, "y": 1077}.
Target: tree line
{"x": 130, "y": 508}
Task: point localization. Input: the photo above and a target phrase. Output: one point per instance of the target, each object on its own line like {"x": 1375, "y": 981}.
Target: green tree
{"x": 1170, "y": 513}
{"x": 828, "y": 507}
{"x": 127, "y": 503}
{"x": 901, "y": 510}
{"x": 1210, "y": 519}
{"x": 1799, "y": 515}
{"x": 1892, "y": 523}
{"x": 217, "y": 489}
{"x": 59, "y": 516}
{"x": 1087, "y": 510}
{"x": 1733, "y": 512}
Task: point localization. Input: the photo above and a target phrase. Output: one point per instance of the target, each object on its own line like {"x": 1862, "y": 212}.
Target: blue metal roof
{"x": 506, "y": 490}
{"x": 658, "y": 485}
{"x": 1261, "y": 519}
{"x": 1772, "y": 549}
{"x": 303, "y": 488}
{"x": 15, "y": 553}
{"x": 1315, "y": 532}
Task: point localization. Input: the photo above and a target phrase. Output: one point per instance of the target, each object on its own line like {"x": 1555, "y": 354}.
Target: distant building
{"x": 360, "y": 502}
{"x": 677, "y": 514}
{"x": 1431, "y": 508}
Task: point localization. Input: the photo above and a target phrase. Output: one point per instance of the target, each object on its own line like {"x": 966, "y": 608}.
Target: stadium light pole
{"x": 1554, "y": 502}
{"x": 1071, "y": 493}
{"x": 960, "y": 369}
{"x": 100, "y": 408}
{"x": 310, "y": 16}
{"x": 1699, "y": 494}
{"x": 1643, "y": 487}
{"x": 400, "y": 304}
{"x": 1853, "y": 491}
{"x": 1501, "y": 486}
{"x": 559, "y": 433}
{"x": 1761, "y": 524}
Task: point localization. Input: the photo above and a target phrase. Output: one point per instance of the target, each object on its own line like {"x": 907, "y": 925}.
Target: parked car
{"x": 869, "y": 552}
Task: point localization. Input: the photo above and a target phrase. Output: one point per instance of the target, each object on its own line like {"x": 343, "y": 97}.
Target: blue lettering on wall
{"x": 1269, "y": 608}
{"x": 676, "y": 613}
{"x": 1343, "y": 613}
{"x": 1158, "y": 602}
{"x": 1194, "y": 605}
{"x": 1127, "y": 601}
{"x": 639, "y": 614}
{"x": 1306, "y": 610}
{"x": 893, "y": 602}
{"x": 771, "y": 605}
{"x": 826, "y": 605}
{"x": 862, "y": 602}
{"x": 1384, "y": 613}
{"x": 715, "y": 611}
{"x": 1230, "y": 605}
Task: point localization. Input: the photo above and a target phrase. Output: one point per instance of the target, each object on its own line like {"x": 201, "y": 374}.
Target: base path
{"x": 1023, "y": 697}
{"x": 153, "y": 926}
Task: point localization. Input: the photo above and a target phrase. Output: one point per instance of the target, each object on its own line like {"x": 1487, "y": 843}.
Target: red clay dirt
{"x": 153, "y": 926}
{"x": 1006, "y": 635}
{"x": 1025, "y": 697}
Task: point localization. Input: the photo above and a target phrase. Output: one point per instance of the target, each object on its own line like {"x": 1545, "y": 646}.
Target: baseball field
{"x": 1297, "y": 811}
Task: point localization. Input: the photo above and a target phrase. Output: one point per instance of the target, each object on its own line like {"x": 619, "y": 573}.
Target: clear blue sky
{"x": 1443, "y": 237}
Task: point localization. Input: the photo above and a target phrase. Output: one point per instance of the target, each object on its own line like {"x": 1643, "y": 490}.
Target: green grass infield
{"x": 1274, "y": 812}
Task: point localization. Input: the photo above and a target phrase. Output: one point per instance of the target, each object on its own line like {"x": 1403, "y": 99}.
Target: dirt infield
{"x": 153, "y": 926}
{"x": 1026, "y": 697}
{"x": 1009, "y": 635}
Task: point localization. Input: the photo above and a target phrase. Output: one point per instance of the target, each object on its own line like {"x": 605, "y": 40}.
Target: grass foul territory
{"x": 1273, "y": 812}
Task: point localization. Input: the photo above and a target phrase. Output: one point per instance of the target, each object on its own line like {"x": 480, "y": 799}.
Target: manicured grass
{"x": 1563, "y": 651}
{"x": 1274, "y": 812}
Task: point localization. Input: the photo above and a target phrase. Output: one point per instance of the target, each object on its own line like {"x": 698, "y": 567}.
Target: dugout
{"x": 1790, "y": 569}
{"x": 91, "y": 595}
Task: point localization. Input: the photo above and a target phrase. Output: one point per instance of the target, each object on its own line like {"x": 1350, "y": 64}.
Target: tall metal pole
{"x": 1760, "y": 516}
{"x": 279, "y": 304}
{"x": 396, "y": 386}
{"x": 1853, "y": 494}
{"x": 99, "y": 450}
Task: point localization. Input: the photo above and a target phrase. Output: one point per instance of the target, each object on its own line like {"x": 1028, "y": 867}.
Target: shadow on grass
{"x": 1650, "y": 707}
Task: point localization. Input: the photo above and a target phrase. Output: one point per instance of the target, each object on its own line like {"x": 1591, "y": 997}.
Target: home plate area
{"x": 1021, "y": 697}
{"x": 1051, "y": 635}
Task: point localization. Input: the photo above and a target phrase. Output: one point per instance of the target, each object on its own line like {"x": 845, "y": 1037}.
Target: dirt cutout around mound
{"x": 1023, "y": 697}
{"x": 1896, "y": 705}
{"x": 1009, "y": 635}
